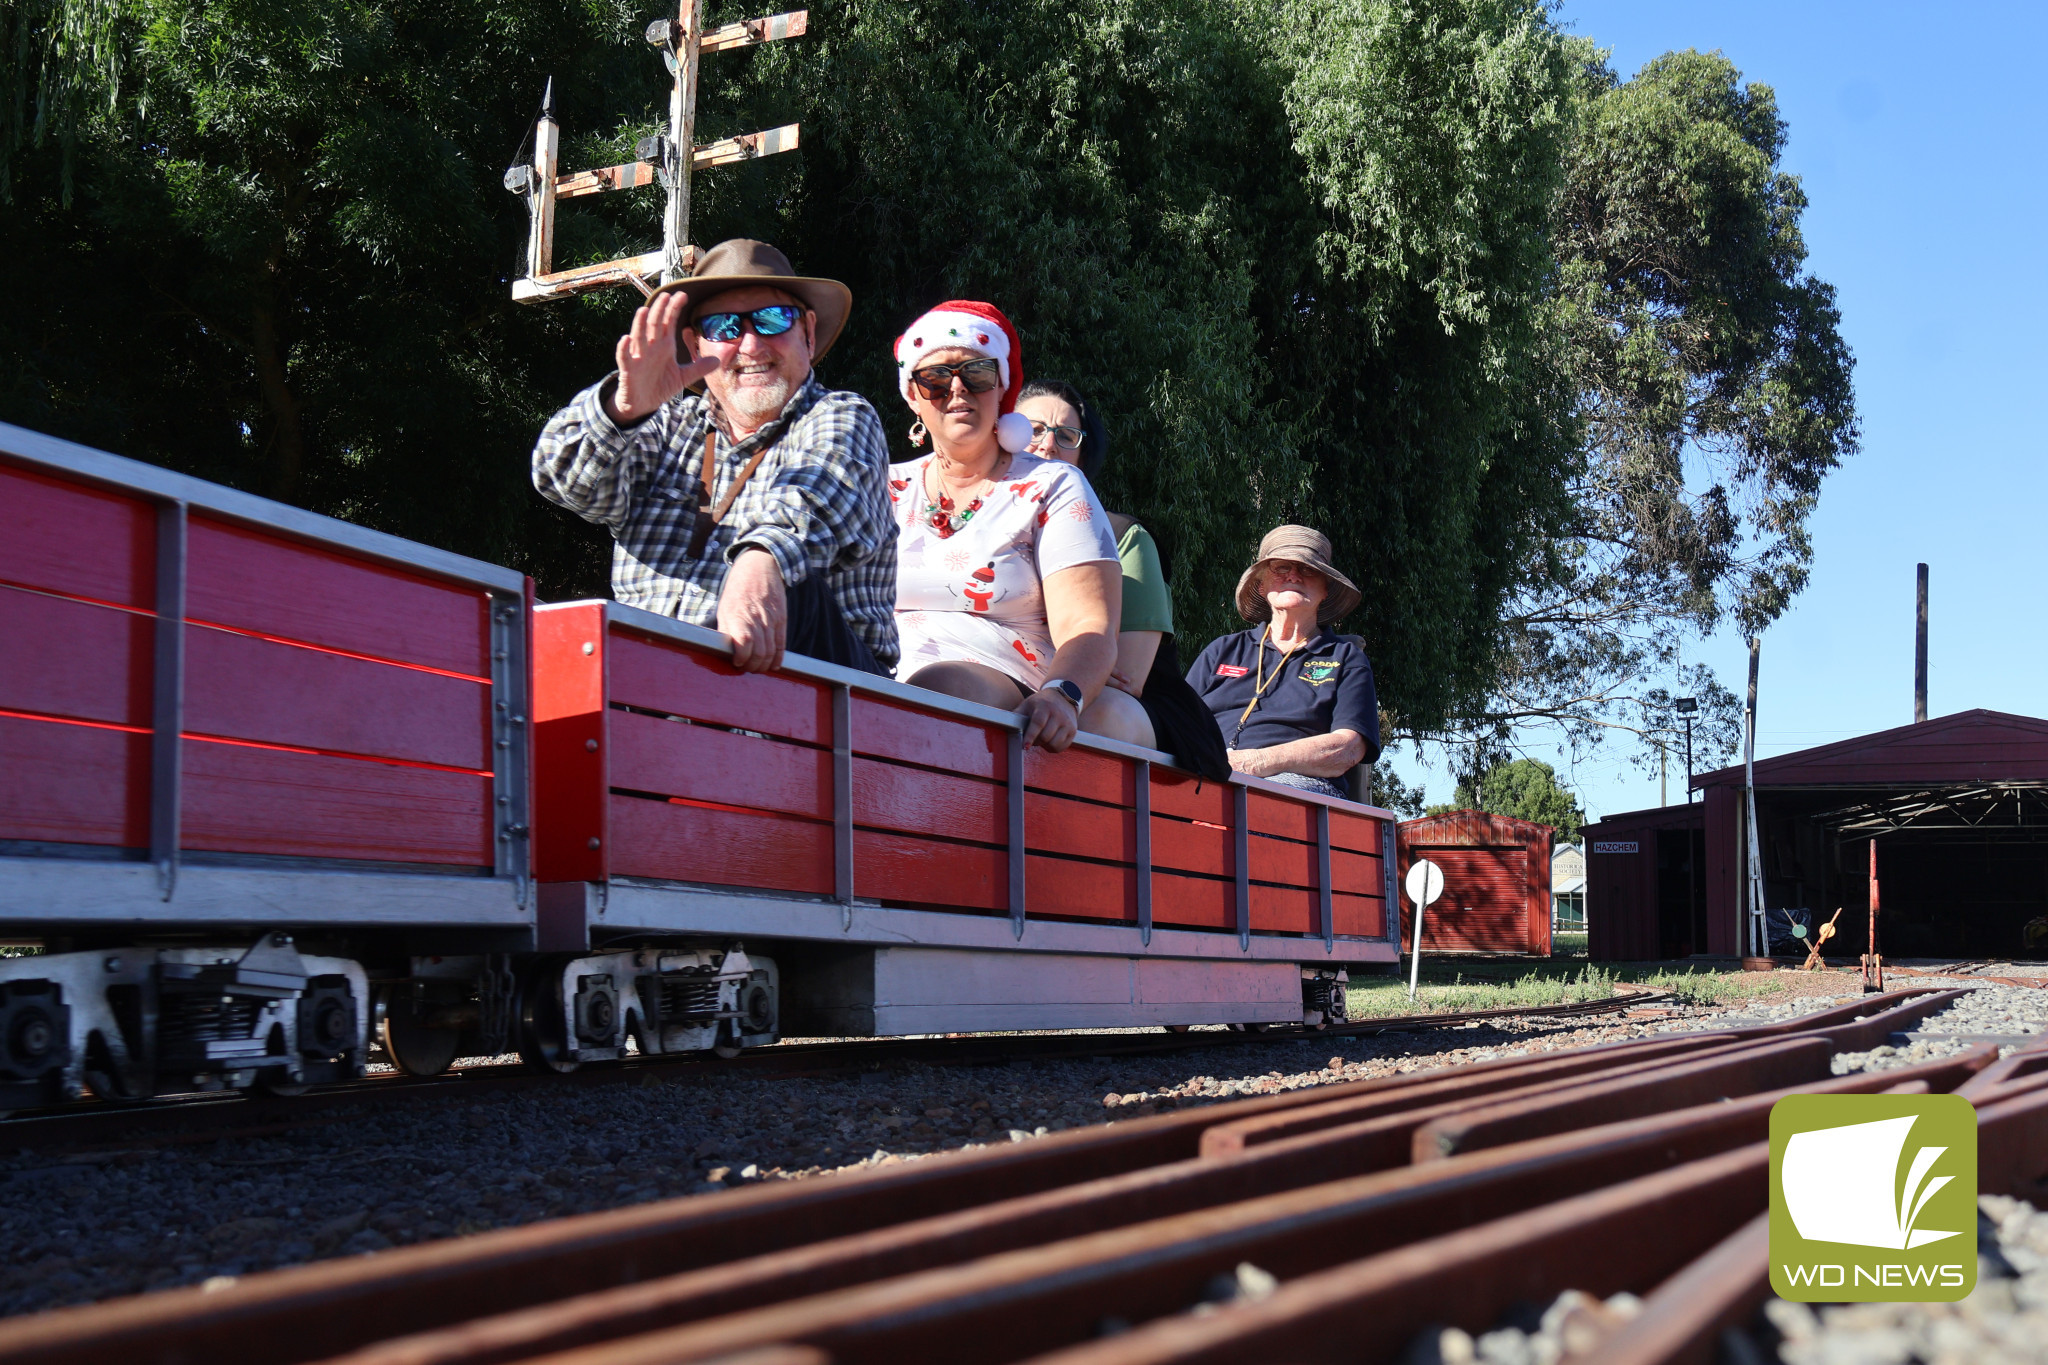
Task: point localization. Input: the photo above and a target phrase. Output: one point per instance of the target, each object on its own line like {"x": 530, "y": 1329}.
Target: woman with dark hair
{"x": 1066, "y": 426}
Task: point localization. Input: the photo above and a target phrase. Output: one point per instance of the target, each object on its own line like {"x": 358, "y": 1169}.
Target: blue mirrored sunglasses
{"x": 771, "y": 321}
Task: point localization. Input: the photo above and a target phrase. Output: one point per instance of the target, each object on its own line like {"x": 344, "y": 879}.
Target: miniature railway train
{"x": 275, "y": 789}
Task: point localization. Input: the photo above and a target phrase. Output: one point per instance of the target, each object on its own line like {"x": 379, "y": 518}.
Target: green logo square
{"x": 1873, "y": 1198}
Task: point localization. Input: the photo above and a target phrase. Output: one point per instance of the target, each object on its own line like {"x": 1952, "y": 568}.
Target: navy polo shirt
{"x": 1325, "y": 685}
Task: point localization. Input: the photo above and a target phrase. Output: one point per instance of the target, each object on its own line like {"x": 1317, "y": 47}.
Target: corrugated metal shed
{"x": 1958, "y": 884}
{"x": 1646, "y": 884}
{"x": 1496, "y": 882}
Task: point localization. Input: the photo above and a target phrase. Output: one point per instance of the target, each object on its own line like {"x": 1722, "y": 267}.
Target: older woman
{"x": 1066, "y": 426}
{"x": 1008, "y": 587}
{"x": 1295, "y": 703}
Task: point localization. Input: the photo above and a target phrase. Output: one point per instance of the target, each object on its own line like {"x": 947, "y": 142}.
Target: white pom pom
{"x": 1013, "y": 431}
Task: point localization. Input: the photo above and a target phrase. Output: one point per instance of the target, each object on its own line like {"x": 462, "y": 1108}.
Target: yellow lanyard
{"x": 1260, "y": 681}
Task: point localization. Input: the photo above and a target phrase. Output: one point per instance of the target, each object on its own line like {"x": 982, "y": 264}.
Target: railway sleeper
{"x": 132, "y": 1022}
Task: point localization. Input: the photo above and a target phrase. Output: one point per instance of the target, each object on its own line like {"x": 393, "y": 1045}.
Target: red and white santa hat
{"x": 963, "y": 322}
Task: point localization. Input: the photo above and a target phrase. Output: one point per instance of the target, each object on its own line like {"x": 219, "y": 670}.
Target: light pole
{"x": 1686, "y": 706}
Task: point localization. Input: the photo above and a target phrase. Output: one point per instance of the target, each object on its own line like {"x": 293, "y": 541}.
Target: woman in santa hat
{"x": 1008, "y": 585}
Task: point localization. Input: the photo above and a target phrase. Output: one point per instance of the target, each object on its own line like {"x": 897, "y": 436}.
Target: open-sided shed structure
{"x": 1957, "y": 806}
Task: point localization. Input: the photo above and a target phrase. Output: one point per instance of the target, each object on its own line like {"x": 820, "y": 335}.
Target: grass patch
{"x": 1450, "y": 990}
{"x": 1451, "y": 984}
{"x": 1568, "y": 944}
{"x": 1696, "y": 987}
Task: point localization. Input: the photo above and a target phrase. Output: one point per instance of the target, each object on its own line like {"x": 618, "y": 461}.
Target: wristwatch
{"x": 1071, "y": 691}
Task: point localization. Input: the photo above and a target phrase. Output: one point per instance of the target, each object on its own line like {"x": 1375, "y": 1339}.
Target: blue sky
{"x": 1918, "y": 133}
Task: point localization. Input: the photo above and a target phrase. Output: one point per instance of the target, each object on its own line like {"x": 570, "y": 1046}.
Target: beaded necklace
{"x": 941, "y": 514}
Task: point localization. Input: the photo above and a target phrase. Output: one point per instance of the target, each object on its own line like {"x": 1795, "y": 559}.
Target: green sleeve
{"x": 1147, "y": 603}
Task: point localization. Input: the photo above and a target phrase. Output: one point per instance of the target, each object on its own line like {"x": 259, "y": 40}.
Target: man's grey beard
{"x": 761, "y": 403}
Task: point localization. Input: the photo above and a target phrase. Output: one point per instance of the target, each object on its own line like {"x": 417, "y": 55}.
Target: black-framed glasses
{"x": 977, "y": 376}
{"x": 770, "y": 321}
{"x": 1066, "y": 438}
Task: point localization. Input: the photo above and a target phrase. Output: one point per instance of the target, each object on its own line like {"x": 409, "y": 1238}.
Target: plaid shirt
{"x": 819, "y": 502}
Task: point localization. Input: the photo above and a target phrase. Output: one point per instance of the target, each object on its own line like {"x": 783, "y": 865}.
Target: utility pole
{"x": 1756, "y": 862}
{"x": 1663, "y": 792}
{"x": 668, "y": 157}
{"x": 1920, "y": 651}
{"x": 1687, "y": 706}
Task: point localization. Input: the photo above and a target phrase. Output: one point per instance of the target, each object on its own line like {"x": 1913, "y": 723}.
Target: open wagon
{"x": 268, "y": 779}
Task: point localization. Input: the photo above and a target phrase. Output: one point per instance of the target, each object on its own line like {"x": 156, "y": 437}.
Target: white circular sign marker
{"x": 1425, "y": 882}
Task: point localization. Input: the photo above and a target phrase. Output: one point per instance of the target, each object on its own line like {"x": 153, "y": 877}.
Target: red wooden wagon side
{"x": 909, "y": 864}
{"x": 232, "y": 723}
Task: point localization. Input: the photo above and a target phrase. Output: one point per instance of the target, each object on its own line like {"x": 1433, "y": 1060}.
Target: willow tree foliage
{"x": 1317, "y": 260}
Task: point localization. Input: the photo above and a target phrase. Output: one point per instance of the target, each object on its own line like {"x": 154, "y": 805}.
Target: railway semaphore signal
{"x": 669, "y": 158}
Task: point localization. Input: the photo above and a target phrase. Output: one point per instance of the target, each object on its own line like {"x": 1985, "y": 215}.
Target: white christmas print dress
{"x": 975, "y": 595}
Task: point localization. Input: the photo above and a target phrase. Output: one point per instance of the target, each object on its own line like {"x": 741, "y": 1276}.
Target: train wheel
{"x": 415, "y": 1049}
{"x": 543, "y": 1032}
{"x": 110, "y": 1082}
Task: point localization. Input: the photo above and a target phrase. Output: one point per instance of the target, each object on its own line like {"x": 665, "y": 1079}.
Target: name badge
{"x": 1231, "y": 670}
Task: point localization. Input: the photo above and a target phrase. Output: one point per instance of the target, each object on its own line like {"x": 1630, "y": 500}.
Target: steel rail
{"x": 900, "y": 1262}
{"x": 1539, "y": 1169}
{"x": 181, "y": 1118}
{"x": 342, "y": 1304}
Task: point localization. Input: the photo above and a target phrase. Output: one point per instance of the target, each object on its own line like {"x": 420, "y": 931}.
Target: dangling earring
{"x": 917, "y": 432}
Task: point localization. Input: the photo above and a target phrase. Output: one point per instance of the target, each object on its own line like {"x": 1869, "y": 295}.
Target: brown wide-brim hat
{"x": 743, "y": 263}
{"x": 1310, "y": 548}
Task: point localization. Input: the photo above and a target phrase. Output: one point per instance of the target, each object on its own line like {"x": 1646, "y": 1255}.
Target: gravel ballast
{"x": 83, "y": 1227}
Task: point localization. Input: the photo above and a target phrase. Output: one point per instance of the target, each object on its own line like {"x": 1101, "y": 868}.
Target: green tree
{"x": 1715, "y": 392}
{"x": 1525, "y": 788}
{"x": 1299, "y": 254}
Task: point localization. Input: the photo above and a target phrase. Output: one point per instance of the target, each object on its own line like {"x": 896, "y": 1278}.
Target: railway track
{"x": 1338, "y": 1223}
{"x": 210, "y": 1117}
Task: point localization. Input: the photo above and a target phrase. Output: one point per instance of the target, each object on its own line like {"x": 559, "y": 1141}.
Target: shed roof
{"x": 1692, "y": 813}
{"x": 1476, "y": 827}
{"x": 1969, "y": 746}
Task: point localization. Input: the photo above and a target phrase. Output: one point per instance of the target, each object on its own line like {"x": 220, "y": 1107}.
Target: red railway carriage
{"x": 268, "y": 784}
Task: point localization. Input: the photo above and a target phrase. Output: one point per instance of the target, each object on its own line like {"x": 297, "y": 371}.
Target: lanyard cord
{"x": 1261, "y": 682}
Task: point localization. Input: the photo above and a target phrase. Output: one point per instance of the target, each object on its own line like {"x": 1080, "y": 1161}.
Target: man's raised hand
{"x": 649, "y": 373}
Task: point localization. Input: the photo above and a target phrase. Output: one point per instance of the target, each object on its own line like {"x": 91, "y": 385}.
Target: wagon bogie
{"x": 132, "y": 1022}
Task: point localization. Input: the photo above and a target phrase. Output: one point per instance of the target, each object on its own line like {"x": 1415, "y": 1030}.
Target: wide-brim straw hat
{"x": 743, "y": 263}
{"x": 1310, "y": 548}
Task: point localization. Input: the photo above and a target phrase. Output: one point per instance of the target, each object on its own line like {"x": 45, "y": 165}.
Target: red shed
{"x": 1646, "y": 884}
{"x": 1957, "y": 808}
{"x": 1496, "y": 882}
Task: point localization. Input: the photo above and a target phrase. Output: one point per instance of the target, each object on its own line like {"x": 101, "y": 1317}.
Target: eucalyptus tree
{"x": 1715, "y": 393}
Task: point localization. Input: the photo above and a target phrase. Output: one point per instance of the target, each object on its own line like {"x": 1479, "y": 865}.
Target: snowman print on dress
{"x": 981, "y": 587}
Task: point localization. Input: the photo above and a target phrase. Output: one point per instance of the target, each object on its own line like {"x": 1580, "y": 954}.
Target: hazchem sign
{"x": 1873, "y": 1198}
{"x": 1616, "y": 846}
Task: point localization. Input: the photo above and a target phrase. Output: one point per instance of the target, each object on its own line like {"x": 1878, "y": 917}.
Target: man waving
{"x": 759, "y": 507}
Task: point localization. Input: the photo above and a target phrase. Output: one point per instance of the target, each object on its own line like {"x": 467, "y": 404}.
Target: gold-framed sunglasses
{"x": 976, "y": 376}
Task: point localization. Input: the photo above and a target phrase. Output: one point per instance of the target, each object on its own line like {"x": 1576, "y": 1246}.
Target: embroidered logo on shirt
{"x": 1316, "y": 672}
{"x": 1231, "y": 670}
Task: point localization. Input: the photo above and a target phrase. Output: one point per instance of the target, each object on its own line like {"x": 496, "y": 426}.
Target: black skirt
{"x": 1182, "y": 723}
